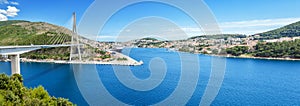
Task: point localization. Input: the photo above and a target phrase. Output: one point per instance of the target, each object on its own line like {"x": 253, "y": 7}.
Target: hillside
{"x": 291, "y": 30}
{"x": 37, "y": 33}
{"x": 4, "y": 23}
{"x": 220, "y": 36}
{"x": 289, "y": 48}
{"x": 26, "y": 33}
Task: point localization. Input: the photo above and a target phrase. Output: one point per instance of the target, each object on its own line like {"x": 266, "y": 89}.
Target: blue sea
{"x": 168, "y": 77}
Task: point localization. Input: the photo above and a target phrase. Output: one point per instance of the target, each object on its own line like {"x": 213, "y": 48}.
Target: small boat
{"x": 141, "y": 62}
{"x": 171, "y": 50}
{"x": 6, "y": 60}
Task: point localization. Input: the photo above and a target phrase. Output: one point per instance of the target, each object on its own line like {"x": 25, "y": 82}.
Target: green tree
{"x": 14, "y": 93}
{"x": 237, "y": 50}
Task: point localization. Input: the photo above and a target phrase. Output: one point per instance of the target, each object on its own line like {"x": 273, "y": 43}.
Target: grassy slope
{"x": 37, "y": 33}
{"x": 26, "y": 33}
{"x": 4, "y": 23}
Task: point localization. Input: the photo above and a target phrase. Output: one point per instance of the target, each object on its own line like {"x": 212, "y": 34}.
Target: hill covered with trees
{"x": 279, "y": 49}
{"x": 220, "y": 36}
{"x": 291, "y": 30}
{"x": 18, "y": 32}
{"x": 27, "y": 33}
{"x": 14, "y": 93}
{"x": 285, "y": 49}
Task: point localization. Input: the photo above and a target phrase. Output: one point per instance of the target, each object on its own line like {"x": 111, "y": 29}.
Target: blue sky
{"x": 52, "y": 11}
{"x": 233, "y": 16}
{"x": 242, "y": 10}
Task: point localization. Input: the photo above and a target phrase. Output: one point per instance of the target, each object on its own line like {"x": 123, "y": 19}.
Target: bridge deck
{"x": 13, "y": 50}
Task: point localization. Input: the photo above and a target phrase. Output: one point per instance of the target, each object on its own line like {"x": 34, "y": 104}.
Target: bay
{"x": 246, "y": 81}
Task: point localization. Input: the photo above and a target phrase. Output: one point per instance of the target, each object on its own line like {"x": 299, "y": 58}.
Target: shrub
{"x": 14, "y": 93}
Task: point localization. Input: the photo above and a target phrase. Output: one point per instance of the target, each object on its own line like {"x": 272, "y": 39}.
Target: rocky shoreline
{"x": 252, "y": 57}
{"x": 128, "y": 62}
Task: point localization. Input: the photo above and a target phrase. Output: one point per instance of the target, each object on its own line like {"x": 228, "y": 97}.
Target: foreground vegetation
{"x": 285, "y": 49}
{"x": 14, "y": 93}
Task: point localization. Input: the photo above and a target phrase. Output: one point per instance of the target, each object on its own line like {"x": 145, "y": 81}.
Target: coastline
{"x": 247, "y": 57}
{"x": 129, "y": 62}
{"x": 120, "y": 63}
{"x": 132, "y": 62}
{"x": 252, "y": 57}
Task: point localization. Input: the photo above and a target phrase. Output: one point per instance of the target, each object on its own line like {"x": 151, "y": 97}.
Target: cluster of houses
{"x": 196, "y": 44}
{"x": 282, "y": 39}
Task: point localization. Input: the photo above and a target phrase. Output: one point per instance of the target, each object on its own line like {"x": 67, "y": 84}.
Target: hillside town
{"x": 200, "y": 44}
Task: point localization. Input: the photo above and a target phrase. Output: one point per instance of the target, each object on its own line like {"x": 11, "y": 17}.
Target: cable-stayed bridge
{"x": 14, "y": 51}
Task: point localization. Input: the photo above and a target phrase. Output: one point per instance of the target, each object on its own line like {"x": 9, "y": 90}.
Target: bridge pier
{"x": 15, "y": 64}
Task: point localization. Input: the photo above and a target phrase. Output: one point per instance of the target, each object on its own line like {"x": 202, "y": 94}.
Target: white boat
{"x": 171, "y": 50}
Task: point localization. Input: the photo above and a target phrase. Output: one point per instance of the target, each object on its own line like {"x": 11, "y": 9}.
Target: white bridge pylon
{"x": 75, "y": 36}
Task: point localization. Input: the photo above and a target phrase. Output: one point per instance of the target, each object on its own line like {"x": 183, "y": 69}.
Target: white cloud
{"x": 255, "y": 26}
{"x": 4, "y": 2}
{"x": 14, "y": 3}
{"x": 8, "y": 2}
{"x": 12, "y": 11}
{"x": 245, "y": 27}
{"x": 3, "y": 17}
{"x": 101, "y": 37}
{"x": 2, "y": 11}
{"x": 140, "y": 30}
{"x": 192, "y": 31}
{"x": 106, "y": 37}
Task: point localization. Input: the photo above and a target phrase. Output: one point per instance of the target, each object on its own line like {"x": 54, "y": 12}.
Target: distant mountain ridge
{"x": 4, "y": 23}
{"x": 291, "y": 30}
{"x": 220, "y": 36}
